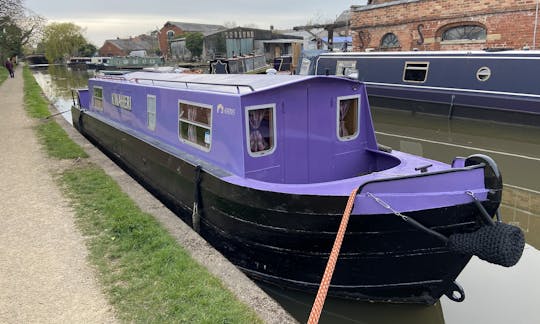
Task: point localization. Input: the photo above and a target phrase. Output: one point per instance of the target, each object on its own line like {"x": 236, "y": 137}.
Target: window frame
{"x": 462, "y": 40}
{"x": 338, "y": 112}
{"x": 382, "y": 46}
{"x": 406, "y": 67}
{"x": 272, "y": 149}
{"x": 94, "y": 97}
{"x": 483, "y": 74}
{"x": 149, "y": 125}
{"x": 196, "y": 124}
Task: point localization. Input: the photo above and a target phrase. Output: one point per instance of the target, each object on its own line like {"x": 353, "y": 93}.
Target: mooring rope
{"x": 331, "y": 264}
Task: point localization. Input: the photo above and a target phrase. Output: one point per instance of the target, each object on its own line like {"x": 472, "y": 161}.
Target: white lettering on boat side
{"x": 121, "y": 101}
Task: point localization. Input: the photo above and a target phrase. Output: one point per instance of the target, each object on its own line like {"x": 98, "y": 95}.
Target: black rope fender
{"x": 494, "y": 242}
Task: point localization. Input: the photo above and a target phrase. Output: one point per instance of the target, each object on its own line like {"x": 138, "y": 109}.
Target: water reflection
{"x": 493, "y": 294}
{"x": 516, "y": 149}
{"x": 340, "y": 311}
{"x": 57, "y": 83}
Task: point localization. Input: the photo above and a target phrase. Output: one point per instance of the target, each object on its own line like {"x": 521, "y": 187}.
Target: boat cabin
{"x": 272, "y": 128}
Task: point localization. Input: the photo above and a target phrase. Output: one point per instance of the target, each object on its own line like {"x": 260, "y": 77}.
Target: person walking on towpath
{"x": 9, "y": 66}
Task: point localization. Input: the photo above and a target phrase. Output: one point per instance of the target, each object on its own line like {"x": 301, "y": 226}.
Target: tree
{"x": 62, "y": 40}
{"x": 230, "y": 24}
{"x": 87, "y": 50}
{"x": 10, "y": 38}
{"x": 221, "y": 45}
{"x": 194, "y": 43}
{"x": 18, "y": 27}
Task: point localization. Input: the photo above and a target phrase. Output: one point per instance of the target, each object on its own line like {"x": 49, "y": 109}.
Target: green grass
{"x": 146, "y": 275}
{"x": 56, "y": 141}
{"x": 3, "y": 75}
{"x": 36, "y": 105}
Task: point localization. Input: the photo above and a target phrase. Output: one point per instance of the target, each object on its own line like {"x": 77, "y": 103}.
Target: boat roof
{"x": 233, "y": 83}
{"x": 535, "y": 53}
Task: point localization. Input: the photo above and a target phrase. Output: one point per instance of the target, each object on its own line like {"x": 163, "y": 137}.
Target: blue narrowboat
{"x": 486, "y": 85}
{"x": 262, "y": 166}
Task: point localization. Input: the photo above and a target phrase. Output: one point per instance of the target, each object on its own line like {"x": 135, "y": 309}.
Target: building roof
{"x": 345, "y": 16}
{"x": 205, "y": 29}
{"x": 339, "y": 39}
{"x": 142, "y": 42}
{"x": 283, "y": 41}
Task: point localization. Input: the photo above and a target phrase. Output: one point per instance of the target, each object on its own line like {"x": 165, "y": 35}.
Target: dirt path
{"x": 44, "y": 274}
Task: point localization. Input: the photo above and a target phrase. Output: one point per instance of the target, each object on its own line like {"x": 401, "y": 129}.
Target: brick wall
{"x": 509, "y": 23}
{"x": 109, "y": 49}
{"x": 163, "y": 43}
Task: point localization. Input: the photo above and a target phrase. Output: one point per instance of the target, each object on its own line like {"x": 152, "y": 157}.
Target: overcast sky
{"x": 123, "y": 18}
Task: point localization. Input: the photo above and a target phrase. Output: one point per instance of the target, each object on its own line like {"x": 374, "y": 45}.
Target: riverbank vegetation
{"x": 146, "y": 275}
{"x": 3, "y": 75}
{"x": 51, "y": 135}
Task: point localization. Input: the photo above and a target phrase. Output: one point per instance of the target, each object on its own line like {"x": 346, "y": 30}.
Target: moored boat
{"x": 262, "y": 166}
{"x": 250, "y": 64}
{"x": 486, "y": 85}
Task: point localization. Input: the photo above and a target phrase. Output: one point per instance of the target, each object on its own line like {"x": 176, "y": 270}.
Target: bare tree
{"x": 230, "y": 24}
{"x": 11, "y": 8}
{"x": 18, "y": 27}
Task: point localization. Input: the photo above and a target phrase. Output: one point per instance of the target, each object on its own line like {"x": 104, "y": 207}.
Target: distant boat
{"x": 131, "y": 62}
{"x": 250, "y": 64}
{"x": 487, "y": 85}
{"x": 88, "y": 62}
{"x": 262, "y": 167}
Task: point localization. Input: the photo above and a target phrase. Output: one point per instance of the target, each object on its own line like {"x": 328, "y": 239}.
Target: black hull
{"x": 382, "y": 259}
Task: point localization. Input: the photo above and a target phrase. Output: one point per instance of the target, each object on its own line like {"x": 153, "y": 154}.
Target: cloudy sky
{"x": 123, "y": 18}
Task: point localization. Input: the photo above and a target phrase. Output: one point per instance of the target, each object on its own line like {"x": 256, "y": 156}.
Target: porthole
{"x": 483, "y": 73}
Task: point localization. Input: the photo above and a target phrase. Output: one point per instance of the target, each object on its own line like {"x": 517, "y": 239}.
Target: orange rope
{"x": 331, "y": 264}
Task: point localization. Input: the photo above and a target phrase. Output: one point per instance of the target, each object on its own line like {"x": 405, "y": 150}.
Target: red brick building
{"x": 173, "y": 29}
{"x": 404, "y": 25}
{"x": 122, "y": 47}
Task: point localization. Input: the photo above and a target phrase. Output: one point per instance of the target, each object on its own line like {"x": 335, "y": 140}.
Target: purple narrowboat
{"x": 262, "y": 167}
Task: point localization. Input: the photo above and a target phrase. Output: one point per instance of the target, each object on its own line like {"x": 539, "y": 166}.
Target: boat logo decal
{"x": 225, "y": 110}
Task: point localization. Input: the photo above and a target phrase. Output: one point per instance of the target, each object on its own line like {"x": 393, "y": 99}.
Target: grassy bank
{"x": 3, "y": 75}
{"x": 146, "y": 275}
{"x": 51, "y": 135}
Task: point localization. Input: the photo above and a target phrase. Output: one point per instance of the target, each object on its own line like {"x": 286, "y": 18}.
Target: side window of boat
{"x": 151, "y": 112}
{"x": 347, "y": 117}
{"x": 97, "y": 98}
{"x": 261, "y": 129}
{"x": 195, "y": 124}
{"x": 415, "y": 71}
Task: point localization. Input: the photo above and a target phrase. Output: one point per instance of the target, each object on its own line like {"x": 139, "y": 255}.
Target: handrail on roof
{"x": 111, "y": 77}
{"x": 201, "y": 83}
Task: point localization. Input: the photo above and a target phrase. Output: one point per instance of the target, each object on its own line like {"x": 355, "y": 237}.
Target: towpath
{"x": 44, "y": 274}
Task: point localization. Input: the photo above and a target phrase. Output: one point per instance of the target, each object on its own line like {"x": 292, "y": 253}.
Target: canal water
{"x": 494, "y": 294}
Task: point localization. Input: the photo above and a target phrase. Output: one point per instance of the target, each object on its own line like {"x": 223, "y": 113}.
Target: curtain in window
{"x": 192, "y": 129}
{"x": 343, "y": 110}
{"x": 256, "y": 140}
